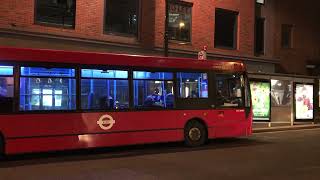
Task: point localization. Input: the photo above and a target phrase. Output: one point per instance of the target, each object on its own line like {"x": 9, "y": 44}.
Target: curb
{"x": 286, "y": 128}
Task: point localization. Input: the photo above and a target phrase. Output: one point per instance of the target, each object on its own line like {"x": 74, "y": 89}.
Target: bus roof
{"x": 9, "y": 54}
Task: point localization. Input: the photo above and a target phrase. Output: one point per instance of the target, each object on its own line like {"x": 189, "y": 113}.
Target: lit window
{"x": 6, "y": 70}
{"x": 104, "y": 89}
{"x": 193, "y": 85}
{"x": 47, "y": 89}
{"x": 153, "y": 89}
{"x": 6, "y": 89}
{"x": 180, "y": 21}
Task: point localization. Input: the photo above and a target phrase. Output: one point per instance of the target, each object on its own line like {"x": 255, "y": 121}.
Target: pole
{"x": 166, "y": 38}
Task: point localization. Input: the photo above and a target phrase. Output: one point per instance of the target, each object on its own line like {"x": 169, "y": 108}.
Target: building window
{"x": 56, "y": 12}
{"x": 104, "y": 89}
{"x": 226, "y": 29}
{"x": 47, "y": 89}
{"x": 286, "y": 36}
{"x": 179, "y": 27}
{"x": 122, "y": 16}
{"x": 259, "y": 44}
{"x": 153, "y": 89}
{"x": 193, "y": 85}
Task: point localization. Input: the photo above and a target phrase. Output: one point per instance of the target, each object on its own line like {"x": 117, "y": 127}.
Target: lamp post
{"x": 166, "y": 38}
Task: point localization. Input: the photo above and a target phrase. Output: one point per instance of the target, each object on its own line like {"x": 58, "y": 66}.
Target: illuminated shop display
{"x": 260, "y": 100}
{"x": 304, "y": 101}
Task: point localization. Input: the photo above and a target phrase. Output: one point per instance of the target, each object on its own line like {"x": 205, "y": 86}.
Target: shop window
{"x": 104, "y": 89}
{"x": 179, "y": 26}
{"x": 153, "y": 89}
{"x": 259, "y": 44}
{"x": 226, "y": 25}
{"x": 281, "y": 93}
{"x": 229, "y": 90}
{"x": 286, "y": 36}
{"x": 6, "y": 89}
{"x": 56, "y": 12}
{"x": 122, "y": 16}
{"x": 47, "y": 89}
{"x": 193, "y": 85}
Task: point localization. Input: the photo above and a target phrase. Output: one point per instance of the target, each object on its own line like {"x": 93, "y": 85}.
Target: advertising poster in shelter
{"x": 260, "y": 100}
{"x": 304, "y": 101}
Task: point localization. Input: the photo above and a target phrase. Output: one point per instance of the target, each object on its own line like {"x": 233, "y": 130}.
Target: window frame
{"x": 110, "y": 32}
{"x": 235, "y": 31}
{"x": 80, "y": 78}
{"x": 168, "y": 70}
{"x": 195, "y": 103}
{"x": 185, "y": 4}
{"x": 43, "y": 65}
{"x": 243, "y": 95}
{"x": 14, "y": 87}
{"x": 63, "y": 26}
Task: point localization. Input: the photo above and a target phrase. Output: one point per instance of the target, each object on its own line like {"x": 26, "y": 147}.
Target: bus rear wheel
{"x": 195, "y": 133}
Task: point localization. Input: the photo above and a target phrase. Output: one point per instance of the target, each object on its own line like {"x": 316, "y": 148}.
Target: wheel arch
{"x": 199, "y": 120}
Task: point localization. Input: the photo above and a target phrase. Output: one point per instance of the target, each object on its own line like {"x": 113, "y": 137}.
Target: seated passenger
{"x": 156, "y": 97}
{"x": 148, "y": 102}
{"x": 170, "y": 100}
{"x": 106, "y": 102}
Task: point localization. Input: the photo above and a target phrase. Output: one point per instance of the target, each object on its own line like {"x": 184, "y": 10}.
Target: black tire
{"x": 195, "y": 133}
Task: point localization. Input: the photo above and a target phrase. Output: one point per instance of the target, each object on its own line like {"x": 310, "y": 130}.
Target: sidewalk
{"x": 286, "y": 128}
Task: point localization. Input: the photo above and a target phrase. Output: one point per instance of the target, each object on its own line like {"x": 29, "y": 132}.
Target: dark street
{"x": 278, "y": 155}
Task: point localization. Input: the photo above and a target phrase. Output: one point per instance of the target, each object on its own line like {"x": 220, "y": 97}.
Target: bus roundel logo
{"x": 106, "y": 122}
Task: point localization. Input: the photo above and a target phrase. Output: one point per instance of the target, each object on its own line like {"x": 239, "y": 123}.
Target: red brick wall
{"x": 305, "y": 38}
{"x": 19, "y": 15}
{"x": 203, "y": 26}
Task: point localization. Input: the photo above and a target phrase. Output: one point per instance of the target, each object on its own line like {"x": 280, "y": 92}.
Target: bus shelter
{"x": 284, "y": 100}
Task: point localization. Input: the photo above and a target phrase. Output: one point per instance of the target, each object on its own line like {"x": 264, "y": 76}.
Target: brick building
{"x": 271, "y": 36}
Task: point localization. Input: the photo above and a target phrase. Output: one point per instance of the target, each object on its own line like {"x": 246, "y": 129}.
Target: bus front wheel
{"x": 195, "y": 133}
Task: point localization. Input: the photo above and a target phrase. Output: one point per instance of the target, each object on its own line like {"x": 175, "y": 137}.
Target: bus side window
{"x": 153, "y": 90}
{"x": 6, "y": 89}
{"x": 229, "y": 90}
{"x": 46, "y": 89}
{"x": 104, "y": 89}
{"x": 192, "y": 85}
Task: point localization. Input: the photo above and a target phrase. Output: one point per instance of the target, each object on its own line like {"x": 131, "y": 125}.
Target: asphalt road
{"x": 280, "y": 155}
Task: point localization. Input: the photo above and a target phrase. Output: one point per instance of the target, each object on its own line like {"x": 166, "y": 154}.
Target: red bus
{"x": 57, "y": 100}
